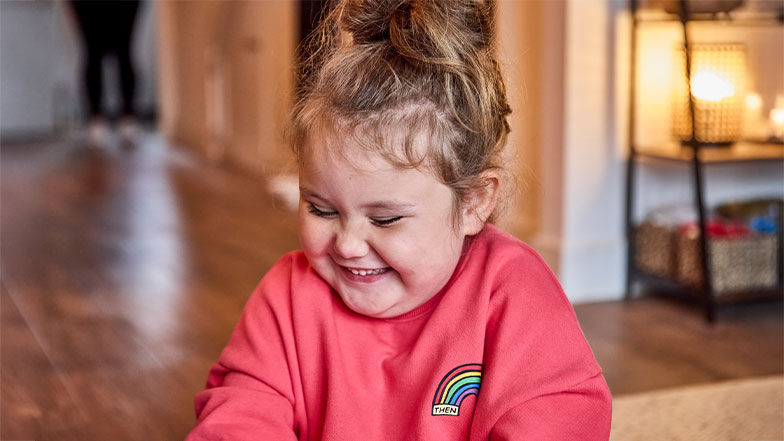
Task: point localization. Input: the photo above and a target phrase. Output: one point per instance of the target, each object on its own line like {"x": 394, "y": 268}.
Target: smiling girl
{"x": 406, "y": 315}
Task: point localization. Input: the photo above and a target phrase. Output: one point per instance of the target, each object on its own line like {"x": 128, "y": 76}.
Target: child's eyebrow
{"x": 378, "y": 205}
{"x": 309, "y": 193}
{"x": 389, "y": 205}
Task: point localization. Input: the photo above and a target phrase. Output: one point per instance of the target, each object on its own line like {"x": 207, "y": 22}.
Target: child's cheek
{"x": 314, "y": 236}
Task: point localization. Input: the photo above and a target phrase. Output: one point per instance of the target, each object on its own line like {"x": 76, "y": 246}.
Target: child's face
{"x": 382, "y": 237}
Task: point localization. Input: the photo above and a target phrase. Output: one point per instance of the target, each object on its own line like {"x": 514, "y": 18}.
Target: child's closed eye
{"x": 379, "y": 221}
{"x": 321, "y": 213}
{"x": 383, "y": 222}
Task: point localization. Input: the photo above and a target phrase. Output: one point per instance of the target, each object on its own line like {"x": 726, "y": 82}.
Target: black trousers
{"x": 107, "y": 28}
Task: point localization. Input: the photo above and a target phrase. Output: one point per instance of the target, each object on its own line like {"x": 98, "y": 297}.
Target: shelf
{"x": 686, "y": 291}
{"x": 750, "y": 296}
{"x": 739, "y": 152}
{"x": 666, "y": 284}
{"x": 674, "y": 152}
{"x": 735, "y": 18}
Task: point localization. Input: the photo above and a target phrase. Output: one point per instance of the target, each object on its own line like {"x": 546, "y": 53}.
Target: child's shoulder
{"x": 292, "y": 261}
{"x": 512, "y": 264}
{"x": 501, "y": 248}
{"x": 292, "y": 272}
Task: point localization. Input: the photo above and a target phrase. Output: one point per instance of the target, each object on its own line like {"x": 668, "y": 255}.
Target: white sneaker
{"x": 97, "y": 133}
{"x": 128, "y": 130}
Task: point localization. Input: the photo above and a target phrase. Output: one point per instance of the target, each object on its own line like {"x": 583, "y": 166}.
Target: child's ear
{"x": 480, "y": 202}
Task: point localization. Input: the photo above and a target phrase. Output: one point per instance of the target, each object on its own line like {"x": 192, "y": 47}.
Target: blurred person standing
{"x": 107, "y": 28}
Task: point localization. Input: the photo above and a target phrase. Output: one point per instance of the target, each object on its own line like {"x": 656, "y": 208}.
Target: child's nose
{"x": 350, "y": 242}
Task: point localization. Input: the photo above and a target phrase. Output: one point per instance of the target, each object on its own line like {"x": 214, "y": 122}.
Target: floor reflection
{"x": 124, "y": 270}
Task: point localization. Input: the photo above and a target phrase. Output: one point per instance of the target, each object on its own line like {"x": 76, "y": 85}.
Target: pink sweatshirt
{"x": 497, "y": 354}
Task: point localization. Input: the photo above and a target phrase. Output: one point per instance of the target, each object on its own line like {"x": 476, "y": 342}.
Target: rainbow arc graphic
{"x": 456, "y": 385}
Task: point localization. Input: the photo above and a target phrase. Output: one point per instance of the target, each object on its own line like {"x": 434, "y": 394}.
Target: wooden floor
{"x": 124, "y": 271}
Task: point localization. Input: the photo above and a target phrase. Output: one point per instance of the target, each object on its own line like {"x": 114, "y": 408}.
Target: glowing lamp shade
{"x": 718, "y": 82}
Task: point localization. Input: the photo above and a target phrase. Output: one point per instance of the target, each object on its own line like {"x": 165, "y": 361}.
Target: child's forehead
{"x": 362, "y": 143}
{"x": 353, "y": 161}
{"x": 343, "y": 152}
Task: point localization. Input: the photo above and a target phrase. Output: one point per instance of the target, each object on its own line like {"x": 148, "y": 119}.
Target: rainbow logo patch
{"x": 456, "y": 385}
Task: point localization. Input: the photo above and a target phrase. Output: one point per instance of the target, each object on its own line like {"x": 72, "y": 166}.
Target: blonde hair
{"x": 426, "y": 66}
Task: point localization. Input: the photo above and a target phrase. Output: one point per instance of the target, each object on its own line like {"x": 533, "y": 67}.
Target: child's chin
{"x": 374, "y": 311}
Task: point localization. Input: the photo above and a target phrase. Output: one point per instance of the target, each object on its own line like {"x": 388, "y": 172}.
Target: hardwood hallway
{"x": 124, "y": 271}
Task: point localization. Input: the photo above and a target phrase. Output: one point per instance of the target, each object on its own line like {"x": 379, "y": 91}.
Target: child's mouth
{"x": 367, "y": 272}
{"x": 365, "y": 275}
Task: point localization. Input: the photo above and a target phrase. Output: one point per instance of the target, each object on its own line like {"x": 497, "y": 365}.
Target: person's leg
{"x": 88, "y": 16}
{"x": 123, "y": 18}
{"x": 125, "y": 13}
{"x": 89, "y": 22}
{"x": 93, "y": 77}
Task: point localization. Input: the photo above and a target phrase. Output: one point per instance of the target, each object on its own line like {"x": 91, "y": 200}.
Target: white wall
{"x": 27, "y": 44}
{"x": 592, "y": 235}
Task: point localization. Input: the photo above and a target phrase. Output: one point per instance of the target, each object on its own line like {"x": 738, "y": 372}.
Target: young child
{"x": 406, "y": 316}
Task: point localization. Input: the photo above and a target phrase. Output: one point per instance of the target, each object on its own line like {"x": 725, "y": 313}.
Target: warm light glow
{"x": 718, "y": 87}
{"x": 777, "y": 116}
{"x": 753, "y": 101}
{"x": 708, "y": 86}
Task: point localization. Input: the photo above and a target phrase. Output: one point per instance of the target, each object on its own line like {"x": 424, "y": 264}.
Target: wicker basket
{"x": 655, "y": 249}
{"x": 739, "y": 264}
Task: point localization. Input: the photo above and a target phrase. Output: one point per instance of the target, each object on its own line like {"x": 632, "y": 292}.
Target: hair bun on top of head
{"x": 385, "y": 67}
{"x": 422, "y": 30}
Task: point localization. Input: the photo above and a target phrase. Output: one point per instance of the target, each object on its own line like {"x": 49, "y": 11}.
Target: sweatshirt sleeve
{"x": 249, "y": 390}
{"x": 579, "y": 412}
{"x": 541, "y": 380}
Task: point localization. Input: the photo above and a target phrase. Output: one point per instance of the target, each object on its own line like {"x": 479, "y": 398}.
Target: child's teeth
{"x": 366, "y": 272}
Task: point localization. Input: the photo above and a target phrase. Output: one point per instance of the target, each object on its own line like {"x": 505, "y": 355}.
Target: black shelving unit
{"x": 696, "y": 157}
